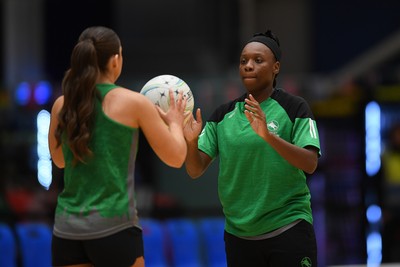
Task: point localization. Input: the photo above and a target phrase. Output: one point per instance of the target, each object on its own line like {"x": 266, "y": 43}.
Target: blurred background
{"x": 343, "y": 57}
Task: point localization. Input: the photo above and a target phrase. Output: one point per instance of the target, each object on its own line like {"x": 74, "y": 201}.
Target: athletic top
{"x": 98, "y": 197}
{"x": 259, "y": 190}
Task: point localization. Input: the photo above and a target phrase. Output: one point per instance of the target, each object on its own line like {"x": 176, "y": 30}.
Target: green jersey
{"x": 259, "y": 190}
{"x": 98, "y": 196}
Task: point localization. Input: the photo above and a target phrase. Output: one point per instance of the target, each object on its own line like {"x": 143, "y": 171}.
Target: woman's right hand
{"x": 196, "y": 161}
{"x": 192, "y": 128}
{"x": 175, "y": 113}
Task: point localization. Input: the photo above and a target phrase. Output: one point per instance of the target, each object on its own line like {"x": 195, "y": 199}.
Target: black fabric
{"x": 294, "y": 247}
{"x": 270, "y": 43}
{"x": 118, "y": 250}
{"x": 294, "y": 106}
{"x": 221, "y": 111}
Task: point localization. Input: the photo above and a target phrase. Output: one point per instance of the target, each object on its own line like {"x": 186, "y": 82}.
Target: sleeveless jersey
{"x": 259, "y": 190}
{"x": 98, "y": 197}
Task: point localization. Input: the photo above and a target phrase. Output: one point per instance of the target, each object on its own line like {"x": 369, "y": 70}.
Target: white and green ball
{"x": 157, "y": 90}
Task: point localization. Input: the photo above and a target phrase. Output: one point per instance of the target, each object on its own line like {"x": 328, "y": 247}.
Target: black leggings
{"x": 294, "y": 247}
{"x": 118, "y": 250}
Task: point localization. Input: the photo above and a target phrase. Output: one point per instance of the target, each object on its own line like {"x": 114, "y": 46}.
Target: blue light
{"x": 374, "y": 249}
{"x": 372, "y": 138}
{"x": 42, "y": 92}
{"x": 374, "y": 214}
{"x": 44, "y": 162}
{"x": 45, "y": 173}
{"x": 23, "y": 94}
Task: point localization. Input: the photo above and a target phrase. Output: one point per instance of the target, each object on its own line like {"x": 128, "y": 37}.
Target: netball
{"x": 156, "y": 89}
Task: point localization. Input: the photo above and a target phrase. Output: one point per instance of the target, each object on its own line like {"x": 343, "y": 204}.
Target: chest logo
{"x": 233, "y": 113}
{"x": 273, "y": 126}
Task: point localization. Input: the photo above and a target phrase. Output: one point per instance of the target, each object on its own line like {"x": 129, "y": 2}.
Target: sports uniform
{"x": 260, "y": 192}
{"x": 98, "y": 198}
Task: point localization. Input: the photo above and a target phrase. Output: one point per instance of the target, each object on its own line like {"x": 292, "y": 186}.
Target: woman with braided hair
{"x": 266, "y": 141}
{"x": 94, "y": 136}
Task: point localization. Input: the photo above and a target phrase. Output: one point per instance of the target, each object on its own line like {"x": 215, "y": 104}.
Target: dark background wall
{"x": 200, "y": 41}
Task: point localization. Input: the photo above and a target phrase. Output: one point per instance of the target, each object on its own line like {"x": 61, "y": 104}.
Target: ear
{"x": 276, "y": 67}
{"x": 114, "y": 60}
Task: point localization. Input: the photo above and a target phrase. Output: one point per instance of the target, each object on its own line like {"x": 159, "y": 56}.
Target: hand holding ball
{"x": 157, "y": 90}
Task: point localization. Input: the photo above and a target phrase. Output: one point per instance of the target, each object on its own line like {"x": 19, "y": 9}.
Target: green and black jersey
{"x": 259, "y": 190}
{"x": 98, "y": 198}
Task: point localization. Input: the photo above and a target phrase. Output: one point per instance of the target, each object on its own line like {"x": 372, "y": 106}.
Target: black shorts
{"x": 294, "y": 247}
{"x": 120, "y": 250}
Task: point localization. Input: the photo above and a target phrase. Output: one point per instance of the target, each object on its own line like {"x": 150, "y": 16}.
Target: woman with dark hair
{"x": 266, "y": 141}
{"x": 94, "y": 136}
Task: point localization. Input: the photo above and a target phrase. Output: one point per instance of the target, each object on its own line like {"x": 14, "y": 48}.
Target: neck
{"x": 105, "y": 79}
{"x": 260, "y": 96}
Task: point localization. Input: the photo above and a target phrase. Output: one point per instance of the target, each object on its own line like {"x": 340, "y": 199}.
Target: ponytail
{"x": 88, "y": 60}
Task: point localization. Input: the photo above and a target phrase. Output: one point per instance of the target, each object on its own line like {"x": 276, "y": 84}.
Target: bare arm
{"x": 165, "y": 135}
{"x": 305, "y": 159}
{"x": 164, "y": 131}
{"x": 196, "y": 161}
{"x": 55, "y": 151}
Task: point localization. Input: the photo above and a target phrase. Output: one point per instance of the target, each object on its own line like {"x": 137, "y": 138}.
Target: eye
{"x": 243, "y": 61}
{"x": 259, "y": 60}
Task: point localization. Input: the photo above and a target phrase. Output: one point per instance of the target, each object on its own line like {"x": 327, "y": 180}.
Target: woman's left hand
{"x": 256, "y": 116}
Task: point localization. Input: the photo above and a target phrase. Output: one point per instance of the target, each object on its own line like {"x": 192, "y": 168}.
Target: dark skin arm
{"x": 305, "y": 159}
{"x": 196, "y": 161}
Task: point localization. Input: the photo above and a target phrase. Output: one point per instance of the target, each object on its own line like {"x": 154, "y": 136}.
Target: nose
{"x": 249, "y": 66}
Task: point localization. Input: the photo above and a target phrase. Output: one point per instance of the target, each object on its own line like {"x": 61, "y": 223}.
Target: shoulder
{"x": 294, "y": 105}
{"x": 285, "y": 98}
{"x": 123, "y": 95}
{"x": 127, "y": 106}
{"x": 225, "y": 108}
{"x": 59, "y": 100}
{"x": 58, "y": 104}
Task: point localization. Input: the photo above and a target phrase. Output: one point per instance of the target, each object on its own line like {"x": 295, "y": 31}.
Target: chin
{"x": 251, "y": 88}
{"x": 250, "y": 85}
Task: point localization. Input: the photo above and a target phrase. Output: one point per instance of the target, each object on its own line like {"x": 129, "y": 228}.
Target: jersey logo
{"x": 273, "y": 126}
{"x": 233, "y": 113}
{"x": 306, "y": 262}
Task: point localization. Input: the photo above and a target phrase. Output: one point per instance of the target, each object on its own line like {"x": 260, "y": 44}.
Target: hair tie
{"x": 88, "y": 40}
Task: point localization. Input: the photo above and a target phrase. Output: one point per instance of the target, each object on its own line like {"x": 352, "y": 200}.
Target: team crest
{"x": 273, "y": 126}
{"x": 306, "y": 262}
